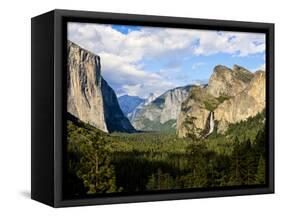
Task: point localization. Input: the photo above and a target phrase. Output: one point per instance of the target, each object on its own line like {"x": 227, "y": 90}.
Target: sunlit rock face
{"x": 89, "y": 97}
{"x": 245, "y": 104}
{"x": 195, "y": 110}
{"x": 231, "y": 95}
{"x": 228, "y": 82}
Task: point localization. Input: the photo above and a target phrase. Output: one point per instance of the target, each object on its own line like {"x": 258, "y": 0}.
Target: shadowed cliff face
{"x": 89, "y": 97}
{"x": 129, "y": 103}
{"x": 232, "y": 95}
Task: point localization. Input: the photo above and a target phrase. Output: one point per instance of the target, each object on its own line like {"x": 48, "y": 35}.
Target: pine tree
{"x": 236, "y": 176}
{"x": 260, "y": 175}
{"x": 248, "y": 163}
{"x": 260, "y": 142}
{"x": 99, "y": 176}
{"x": 198, "y": 165}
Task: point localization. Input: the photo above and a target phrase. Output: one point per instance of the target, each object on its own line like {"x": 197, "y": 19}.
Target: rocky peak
{"x": 241, "y": 69}
{"x": 242, "y": 74}
{"x": 231, "y": 95}
{"x": 150, "y": 98}
{"x": 221, "y": 69}
{"x": 228, "y": 82}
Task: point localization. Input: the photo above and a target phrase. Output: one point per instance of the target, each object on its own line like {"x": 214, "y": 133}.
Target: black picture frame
{"x": 48, "y": 37}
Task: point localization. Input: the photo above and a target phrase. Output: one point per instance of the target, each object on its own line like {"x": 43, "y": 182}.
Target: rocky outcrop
{"x": 231, "y": 95}
{"x": 89, "y": 97}
{"x": 245, "y": 104}
{"x": 228, "y": 82}
{"x": 194, "y": 113}
{"x": 160, "y": 113}
{"x": 172, "y": 101}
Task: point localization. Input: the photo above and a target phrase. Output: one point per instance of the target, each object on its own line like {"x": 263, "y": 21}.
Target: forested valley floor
{"x": 99, "y": 163}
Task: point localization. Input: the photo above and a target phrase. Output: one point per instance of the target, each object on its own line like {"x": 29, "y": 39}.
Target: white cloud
{"x": 136, "y": 45}
{"x": 236, "y": 43}
{"x": 198, "y": 64}
{"x": 157, "y": 87}
{"x": 122, "y": 54}
{"x": 133, "y": 90}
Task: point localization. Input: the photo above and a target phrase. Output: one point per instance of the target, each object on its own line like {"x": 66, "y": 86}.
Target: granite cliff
{"x": 245, "y": 104}
{"x": 89, "y": 97}
{"x": 232, "y": 95}
{"x": 160, "y": 113}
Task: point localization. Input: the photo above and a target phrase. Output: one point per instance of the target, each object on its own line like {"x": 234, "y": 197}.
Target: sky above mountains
{"x": 139, "y": 60}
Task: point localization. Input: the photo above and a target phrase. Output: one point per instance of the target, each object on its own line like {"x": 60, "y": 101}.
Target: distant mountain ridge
{"x": 146, "y": 101}
{"x": 129, "y": 103}
{"x": 89, "y": 97}
{"x": 160, "y": 113}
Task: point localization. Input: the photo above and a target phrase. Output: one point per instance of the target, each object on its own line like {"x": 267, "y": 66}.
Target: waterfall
{"x": 211, "y": 123}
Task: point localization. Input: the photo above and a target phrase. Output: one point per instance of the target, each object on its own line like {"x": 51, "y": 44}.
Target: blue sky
{"x": 125, "y": 29}
{"x": 139, "y": 60}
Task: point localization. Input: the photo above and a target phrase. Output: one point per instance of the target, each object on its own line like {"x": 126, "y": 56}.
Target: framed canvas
{"x": 134, "y": 108}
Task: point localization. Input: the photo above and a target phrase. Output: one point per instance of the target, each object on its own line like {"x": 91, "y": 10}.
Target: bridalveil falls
{"x": 211, "y": 123}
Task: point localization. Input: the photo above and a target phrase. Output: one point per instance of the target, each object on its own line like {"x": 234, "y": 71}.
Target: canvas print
{"x": 154, "y": 109}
